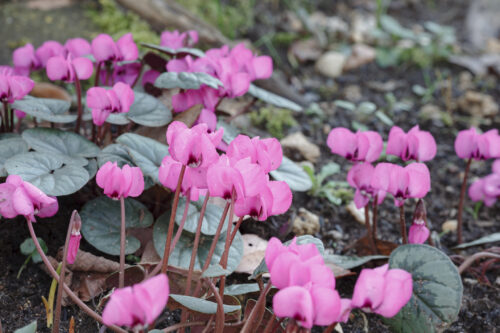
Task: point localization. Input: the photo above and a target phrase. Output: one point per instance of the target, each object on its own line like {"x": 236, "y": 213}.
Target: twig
{"x": 474, "y": 257}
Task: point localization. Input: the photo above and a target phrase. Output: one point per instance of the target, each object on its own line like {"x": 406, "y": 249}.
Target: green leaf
{"x": 181, "y": 256}
{"x": 180, "y": 51}
{"x": 115, "y": 153}
{"x": 293, "y": 175}
{"x": 345, "y": 105}
{"x": 27, "y": 248}
{"x": 186, "y": 80}
{"x": 10, "y": 147}
{"x": 348, "y": 262}
{"x": 328, "y": 170}
{"x": 306, "y": 239}
{"x": 437, "y": 289}
{"x": 230, "y": 132}
{"x": 49, "y": 109}
{"x": 148, "y": 111}
{"x": 146, "y": 153}
{"x": 483, "y": 240}
{"x": 384, "y": 118}
{"x": 31, "y": 328}
{"x": 367, "y": 107}
{"x": 211, "y": 219}
{"x": 113, "y": 118}
{"x": 91, "y": 168}
{"x": 48, "y": 172}
{"x": 241, "y": 289}
{"x": 214, "y": 271}
{"x": 52, "y": 140}
{"x": 102, "y": 222}
{"x": 201, "y": 305}
{"x": 273, "y": 99}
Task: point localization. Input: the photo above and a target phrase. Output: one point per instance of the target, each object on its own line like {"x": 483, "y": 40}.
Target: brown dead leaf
{"x": 50, "y": 90}
{"x": 133, "y": 275}
{"x": 88, "y": 285}
{"x": 149, "y": 257}
{"x": 254, "y": 250}
{"x": 189, "y": 116}
{"x": 87, "y": 262}
{"x": 268, "y": 315}
{"x": 338, "y": 271}
{"x": 363, "y": 247}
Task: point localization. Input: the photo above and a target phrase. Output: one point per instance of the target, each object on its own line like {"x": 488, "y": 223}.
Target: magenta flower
{"x": 412, "y": 181}
{"x": 139, "y": 305}
{"x": 149, "y": 76}
{"x": 194, "y": 181}
{"x": 120, "y": 183}
{"x": 415, "y": 145}
{"x": 486, "y": 189}
{"x": 193, "y": 147}
{"x": 104, "y": 48}
{"x": 176, "y": 40}
{"x": 78, "y": 47}
{"x": 74, "y": 240}
{"x": 48, "y": 50}
{"x": 68, "y": 69}
{"x": 257, "y": 67}
{"x": 418, "y": 233}
{"x": 14, "y": 87}
{"x": 265, "y": 152}
{"x": 126, "y": 73}
{"x": 470, "y": 144}
{"x": 382, "y": 290}
{"x": 360, "y": 177}
{"x": 25, "y": 60}
{"x": 18, "y": 197}
{"x": 104, "y": 102}
{"x": 356, "y": 147}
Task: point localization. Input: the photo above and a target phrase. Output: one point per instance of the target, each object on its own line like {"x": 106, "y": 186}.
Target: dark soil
{"x": 20, "y": 300}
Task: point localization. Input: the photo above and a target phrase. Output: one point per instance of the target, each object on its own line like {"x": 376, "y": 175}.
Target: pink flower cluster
{"x": 307, "y": 287}
{"x": 139, "y": 305}
{"x": 241, "y": 173}
{"x": 235, "y": 68}
{"x": 470, "y": 144}
{"x": 18, "y": 197}
{"x": 13, "y": 87}
{"x": 487, "y": 189}
{"x": 176, "y": 40}
{"x": 103, "y": 101}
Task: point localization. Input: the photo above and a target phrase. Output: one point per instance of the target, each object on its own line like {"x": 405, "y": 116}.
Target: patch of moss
{"x": 274, "y": 120}
{"x": 115, "y": 22}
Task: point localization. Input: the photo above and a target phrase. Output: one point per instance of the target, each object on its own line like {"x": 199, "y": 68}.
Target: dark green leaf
{"x": 201, "y": 305}
{"x": 101, "y": 223}
{"x": 48, "y": 109}
{"x": 9, "y": 147}
{"x": 186, "y": 80}
{"x": 27, "y": 248}
{"x": 273, "y": 99}
{"x": 148, "y": 111}
{"x": 437, "y": 289}
{"x": 293, "y": 175}
{"x": 211, "y": 219}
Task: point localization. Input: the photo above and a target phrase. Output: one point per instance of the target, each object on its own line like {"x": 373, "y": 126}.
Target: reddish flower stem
{"x": 236, "y": 227}
{"x": 369, "y": 233}
{"x": 121, "y": 276}
{"x": 461, "y": 203}
{"x": 3, "y": 117}
{"x": 219, "y": 321}
{"x": 183, "y": 221}
{"x": 402, "y": 222}
{"x": 225, "y": 254}
{"x": 97, "y": 74}
{"x": 138, "y": 75}
{"x": 170, "y": 232}
{"x": 67, "y": 290}
{"x": 474, "y": 257}
{"x": 374, "y": 218}
{"x": 213, "y": 246}
{"x": 255, "y": 318}
{"x": 57, "y": 314}
{"x": 78, "y": 88}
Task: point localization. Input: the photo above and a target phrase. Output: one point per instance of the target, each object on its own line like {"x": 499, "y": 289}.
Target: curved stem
{"x": 168, "y": 241}
{"x": 461, "y": 202}
{"x": 474, "y": 257}
{"x": 213, "y": 245}
{"x": 121, "y": 276}
{"x": 255, "y": 318}
{"x": 183, "y": 221}
{"x": 374, "y": 218}
{"x": 369, "y": 233}
{"x": 57, "y": 318}
{"x": 236, "y": 227}
{"x": 78, "y": 88}
{"x": 219, "y": 321}
{"x": 225, "y": 254}
{"x": 402, "y": 222}
{"x": 97, "y": 74}
{"x": 67, "y": 290}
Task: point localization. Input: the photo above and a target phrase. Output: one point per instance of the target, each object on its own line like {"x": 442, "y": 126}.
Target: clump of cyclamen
{"x": 240, "y": 175}
{"x": 103, "y": 101}
{"x": 487, "y": 189}
{"x": 471, "y": 144}
{"x": 13, "y": 87}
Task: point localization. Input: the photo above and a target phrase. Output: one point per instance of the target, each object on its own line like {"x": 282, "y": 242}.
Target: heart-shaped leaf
{"x": 306, "y": 239}
{"x": 28, "y": 248}
{"x": 48, "y": 172}
{"x": 202, "y": 305}
{"x": 211, "y": 219}
{"x": 145, "y": 152}
{"x": 49, "y": 109}
{"x": 186, "y": 80}
{"x": 181, "y": 256}
{"x": 148, "y": 111}
{"x": 180, "y": 51}
{"x": 91, "y": 168}
{"x": 273, "y": 99}
{"x": 437, "y": 289}
{"x": 102, "y": 223}
{"x": 10, "y": 146}
{"x": 293, "y": 175}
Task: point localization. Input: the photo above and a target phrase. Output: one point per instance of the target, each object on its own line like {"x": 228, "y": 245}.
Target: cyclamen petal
{"x": 120, "y": 183}
{"x": 418, "y": 234}
{"x": 294, "y": 302}
{"x": 78, "y": 47}
{"x": 356, "y": 147}
{"x": 48, "y": 50}
{"x": 415, "y": 145}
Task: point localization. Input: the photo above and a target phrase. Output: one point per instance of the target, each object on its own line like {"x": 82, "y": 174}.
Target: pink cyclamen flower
{"x": 104, "y": 102}
{"x": 68, "y": 69}
{"x": 382, "y": 290}
{"x": 14, "y": 87}
{"x": 412, "y": 181}
{"x": 260, "y": 67}
{"x": 139, "y": 305}
{"x": 265, "y": 152}
{"x": 104, "y": 48}
{"x": 486, "y": 189}
{"x": 120, "y": 183}
{"x": 356, "y": 147}
{"x": 176, "y": 40}
{"x": 18, "y": 197}
{"x": 75, "y": 237}
{"x": 470, "y": 144}
{"x": 193, "y": 147}
{"x": 194, "y": 181}
{"x": 78, "y": 47}
{"x": 419, "y": 232}
{"x": 48, "y": 50}
{"x": 360, "y": 177}
{"x": 25, "y": 60}
{"x": 415, "y": 145}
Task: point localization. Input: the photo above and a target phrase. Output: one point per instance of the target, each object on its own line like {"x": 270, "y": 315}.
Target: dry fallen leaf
{"x": 50, "y": 90}
{"x": 254, "y": 250}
